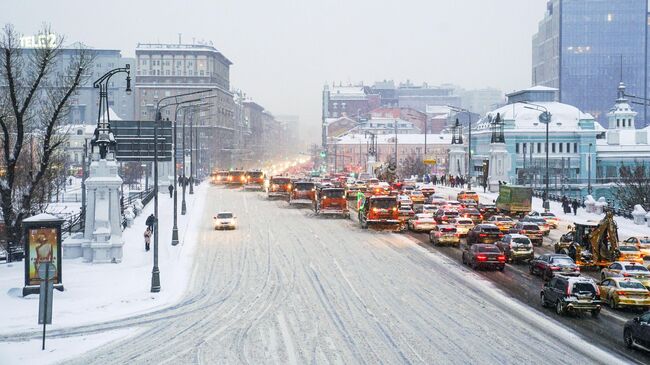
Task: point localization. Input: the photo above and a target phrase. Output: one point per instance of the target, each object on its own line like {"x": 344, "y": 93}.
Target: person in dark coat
{"x": 150, "y": 221}
{"x": 171, "y": 190}
{"x": 575, "y": 205}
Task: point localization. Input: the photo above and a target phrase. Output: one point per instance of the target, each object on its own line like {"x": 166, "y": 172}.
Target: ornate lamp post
{"x": 544, "y": 118}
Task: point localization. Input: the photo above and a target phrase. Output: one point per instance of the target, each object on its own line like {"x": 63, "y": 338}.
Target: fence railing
{"x": 145, "y": 196}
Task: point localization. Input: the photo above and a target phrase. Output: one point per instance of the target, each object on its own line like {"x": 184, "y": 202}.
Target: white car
{"x": 225, "y": 220}
{"x": 422, "y": 223}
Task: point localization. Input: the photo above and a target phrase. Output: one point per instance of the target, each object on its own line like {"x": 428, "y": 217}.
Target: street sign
{"x": 430, "y": 161}
{"x": 135, "y": 140}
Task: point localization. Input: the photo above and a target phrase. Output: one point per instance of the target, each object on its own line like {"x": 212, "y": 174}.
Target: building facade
{"x": 164, "y": 70}
{"x": 585, "y": 48}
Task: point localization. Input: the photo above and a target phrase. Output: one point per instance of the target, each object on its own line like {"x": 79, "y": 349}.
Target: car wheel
{"x": 558, "y": 308}
{"x": 531, "y": 269}
{"x": 547, "y": 275}
{"x": 611, "y": 303}
{"x": 627, "y": 337}
{"x": 500, "y": 268}
{"x": 462, "y": 258}
{"x": 474, "y": 266}
{"x": 543, "y": 300}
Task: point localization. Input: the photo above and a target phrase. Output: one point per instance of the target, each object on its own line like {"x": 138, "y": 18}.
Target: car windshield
{"x": 448, "y": 229}
{"x": 521, "y": 240}
{"x": 470, "y": 193}
{"x": 224, "y": 215}
{"x": 255, "y": 174}
{"x": 584, "y": 287}
{"x": 464, "y": 221}
{"x": 562, "y": 260}
{"x": 424, "y": 216}
{"x": 451, "y": 213}
{"x": 383, "y": 203}
{"x": 488, "y": 229}
{"x": 303, "y": 186}
{"x": 504, "y": 219}
{"x": 627, "y": 248}
{"x": 488, "y": 248}
{"x": 645, "y": 241}
{"x": 471, "y": 211}
{"x": 334, "y": 193}
{"x": 548, "y": 215}
{"x": 536, "y": 220}
{"x": 530, "y": 227}
{"x": 635, "y": 268}
{"x": 630, "y": 284}
{"x": 280, "y": 181}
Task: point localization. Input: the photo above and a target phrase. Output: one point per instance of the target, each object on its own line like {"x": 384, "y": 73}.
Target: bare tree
{"x": 633, "y": 186}
{"x": 34, "y": 99}
{"x": 413, "y": 165}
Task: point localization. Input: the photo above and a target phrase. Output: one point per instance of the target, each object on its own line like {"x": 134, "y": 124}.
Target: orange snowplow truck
{"x": 331, "y": 201}
{"x": 254, "y": 180}
{"x": 279, "y": 187}
{"x": 380, "y": 212}
{"x": 236, "y": 178}
{"x": 303, "y": 192}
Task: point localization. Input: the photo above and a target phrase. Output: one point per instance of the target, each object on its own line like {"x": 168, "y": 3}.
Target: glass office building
{"x": 585, "y": 47}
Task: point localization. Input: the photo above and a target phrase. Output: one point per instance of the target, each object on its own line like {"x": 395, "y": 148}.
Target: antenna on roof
{"x": 179, "y": 39}
{"x": 621, "y": 79}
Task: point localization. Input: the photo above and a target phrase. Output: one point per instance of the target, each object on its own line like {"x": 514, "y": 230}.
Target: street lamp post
{"x": 589, "y": 171}
{"x": 469, "y": 146}
{"x": 191, "y": 155}
{"x": 155, "y": 272}
{"x": 544, "y": 118}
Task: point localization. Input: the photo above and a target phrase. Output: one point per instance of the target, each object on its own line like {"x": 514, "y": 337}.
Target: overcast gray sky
{"x": 285, "y": 50}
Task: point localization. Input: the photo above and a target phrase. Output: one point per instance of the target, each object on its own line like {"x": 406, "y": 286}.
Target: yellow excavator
{"x": 591, "y": 244}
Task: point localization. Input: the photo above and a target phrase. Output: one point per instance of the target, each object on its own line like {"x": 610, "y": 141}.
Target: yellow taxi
{"x": 463, "y": 225}
{"x": 624, "y": 292}
{"x": 621, "y": 269}
{"x": 642, "y": 243}
{"x": 418, "y": 197}
{"x": 630, "y": 253}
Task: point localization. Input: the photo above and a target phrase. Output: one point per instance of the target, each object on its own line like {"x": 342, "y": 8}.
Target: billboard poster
{"x": 43, "y": 246}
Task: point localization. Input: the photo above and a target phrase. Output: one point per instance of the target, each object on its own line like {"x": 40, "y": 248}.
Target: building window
{"x": 560, "y": 145}
{"x": 553, "y": 147}
{"x": 618, "y": 122}
{"x": 516, "y": 147}
{"x": 575, "y": 148}
{"x": 539, "y": 147}
{"x": 568, "y": 147}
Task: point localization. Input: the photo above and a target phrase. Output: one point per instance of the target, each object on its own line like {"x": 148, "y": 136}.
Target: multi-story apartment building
{"x": 164, "y": 70}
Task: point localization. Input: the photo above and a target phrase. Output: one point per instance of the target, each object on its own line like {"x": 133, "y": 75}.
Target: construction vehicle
{"x": 331, "y": 201}
{"x": 302, "y": 192}
{"x": 387, "y": 172}
{"x": 590, "y": 244}
{"x": 514, "y": 200}
{"x": 380, "y": 212}
{"x": 254, "y": 180}
{"x": 279, "y": 187}
{"x": 236, "y": 178}
{"x": 219, "y": 177}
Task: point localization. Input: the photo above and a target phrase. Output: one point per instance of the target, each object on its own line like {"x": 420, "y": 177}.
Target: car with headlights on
{"x": 225, "y": 220}
{"x": 484, "y": 233}
{"x": 463, "y": 225}
{"x": 642, "y": 242}
{"x": 516, "y": 247}
{"x": 422, "y": 222}
{"x": 624, "y": 292}
{"x": 551, "y": 264}
{"x": 484, "y": 256}
{"x": 622, "y": 269}
{"x": 636, "y": 332}
{"x": 444, "y": 234}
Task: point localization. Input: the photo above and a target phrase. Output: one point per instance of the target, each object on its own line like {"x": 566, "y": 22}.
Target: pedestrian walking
{"x": 171, "y": 190}
{"x": 150, "y": 221}
{"x": 575, "y": 205}
{"x": 147, "y": 239}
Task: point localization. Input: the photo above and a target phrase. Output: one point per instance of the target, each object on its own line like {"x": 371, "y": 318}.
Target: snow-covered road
{"x": 291, "y": 288}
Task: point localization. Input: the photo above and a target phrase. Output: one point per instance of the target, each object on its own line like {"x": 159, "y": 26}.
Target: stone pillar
{"x": 499, "y": 166}
{"x": 456, "y": 160}
{"x": 103, "y": 229}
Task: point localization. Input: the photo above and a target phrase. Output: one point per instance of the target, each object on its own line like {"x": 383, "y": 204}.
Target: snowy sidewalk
{"x": 626, "y": 227}
{"x": 103, "y": 292}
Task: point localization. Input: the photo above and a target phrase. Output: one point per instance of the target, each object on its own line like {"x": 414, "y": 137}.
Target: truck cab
{"x": 380, "y": 211}
{"x": 254, "y": 180}
{"x": 236, "y": 178}
{"x": 331, "y": 201}
{"x": 303, "y": 192}
{"x": 279, "y": 187}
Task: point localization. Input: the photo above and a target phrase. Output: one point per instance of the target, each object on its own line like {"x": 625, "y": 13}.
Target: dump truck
{"x": 514, "y": 200}
{"x": 380, "y": 212}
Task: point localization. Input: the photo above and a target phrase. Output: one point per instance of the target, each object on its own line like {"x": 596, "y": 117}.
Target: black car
{"x": 484, "y": 233}
{"x": 484, "y": 255}
{"x": 550, "y": 264}
{"x": 571, "y": 294}
{"x": 637, "y": 332}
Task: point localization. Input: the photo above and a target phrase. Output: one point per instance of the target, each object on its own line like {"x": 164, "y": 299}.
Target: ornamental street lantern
{"x": 42, "y": 238}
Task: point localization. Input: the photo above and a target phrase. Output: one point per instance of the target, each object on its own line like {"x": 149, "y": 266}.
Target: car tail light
{"x": 482, "y": 235}
{"x": 621, "y": 292}
{"x": 627, "y": 275}
{"x": 500, "y": 235}
{"x": 502, "y": 258}
{"x": 555, "y": 268}
{"x": 576, "y": 269}
{"x": 568, "y": 290}
{"x": 481, "y": 257}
